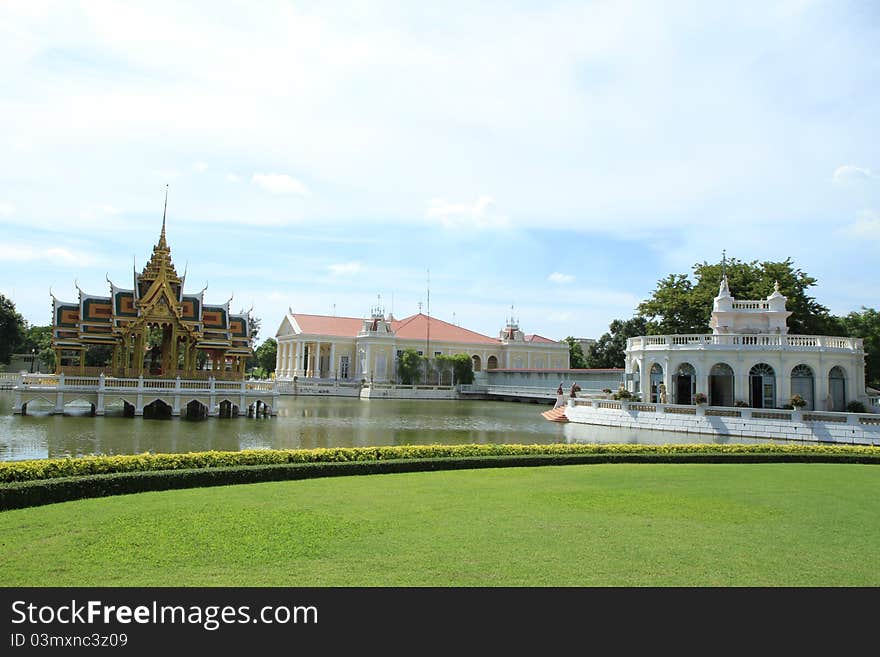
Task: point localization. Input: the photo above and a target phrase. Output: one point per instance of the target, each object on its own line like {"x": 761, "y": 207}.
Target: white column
{"x": 333, "y": 369}
{"x": 317, "y": 372}
{"x": 368, "y": 367}
{"x": 645, "y": 380}
{"x": 528, "y": 360}
{"x": 297, "y": 366}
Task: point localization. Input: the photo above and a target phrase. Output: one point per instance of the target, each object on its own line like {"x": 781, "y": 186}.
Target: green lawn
{"x": 583, "y": 525}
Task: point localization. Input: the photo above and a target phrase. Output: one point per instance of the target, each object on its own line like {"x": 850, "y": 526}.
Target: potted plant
{"x": 798, "y": 402}
{"x": 700, "y": 399}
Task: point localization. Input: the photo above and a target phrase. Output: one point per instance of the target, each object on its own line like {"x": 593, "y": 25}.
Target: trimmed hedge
{"x": 36, "y": 492}
{"x": 11, "y": 471}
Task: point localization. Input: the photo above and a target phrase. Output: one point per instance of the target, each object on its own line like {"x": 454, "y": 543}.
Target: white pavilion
{"x": 749, "y": 358}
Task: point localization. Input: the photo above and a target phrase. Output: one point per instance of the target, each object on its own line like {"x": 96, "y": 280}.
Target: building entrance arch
{"x": 762, "y": 386}
{"x": 684, "y": 383}
{"x": 837, "y": 389}
{"x": 721, "y": 385}
{"x": 802, "y": 384}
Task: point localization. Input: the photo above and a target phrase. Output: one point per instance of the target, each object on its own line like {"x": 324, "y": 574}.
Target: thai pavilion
{"x": 748, "y": 358}
{"x": 350, "y": 348}
{"x": 153, "y": 329}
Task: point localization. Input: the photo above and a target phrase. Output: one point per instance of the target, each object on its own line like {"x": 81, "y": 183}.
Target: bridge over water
{"x": 205, "y": 398}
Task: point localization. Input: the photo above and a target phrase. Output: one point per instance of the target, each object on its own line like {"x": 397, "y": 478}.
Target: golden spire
{"x": 160, "y": 262}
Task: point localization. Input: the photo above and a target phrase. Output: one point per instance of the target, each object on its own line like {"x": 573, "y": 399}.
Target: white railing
{"x": 751, "y": 305}
{"x": 759, "y": 340}
{"x": 62, "y": 382}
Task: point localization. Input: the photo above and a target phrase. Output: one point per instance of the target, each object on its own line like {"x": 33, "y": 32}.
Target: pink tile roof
{"x": 343, "y": 327}
{"x": 415, "y": 327}
{"x": 539, "y": 338}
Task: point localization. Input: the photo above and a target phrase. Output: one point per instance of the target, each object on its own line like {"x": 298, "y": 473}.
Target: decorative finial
{"x": 164, "y": 212}
{"x": 723, "y": 263}
{"x": 776, "y": 286}
{"x": 289, "y": 310}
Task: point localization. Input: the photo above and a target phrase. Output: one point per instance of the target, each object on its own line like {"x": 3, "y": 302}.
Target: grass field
{"x": 593, "y": 525}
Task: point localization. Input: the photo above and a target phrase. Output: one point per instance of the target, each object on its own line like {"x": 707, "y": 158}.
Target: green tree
{"x": 680, "y": 305}
{"x": 39, "y": 339}
{"x": 463, "y": 368}
{"x": 576, "y": 358}
{"x": 265, "y": 356}
{"x": 865, "y": 324}
{"x": 12, "y": 329}
{"x": 608, "y": 351}
{"x": 409, "y": 366}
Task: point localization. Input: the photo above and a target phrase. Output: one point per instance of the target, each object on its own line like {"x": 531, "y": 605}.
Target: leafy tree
{"x": 39, "y": 338}
{"x": 865, "y": 324}
{"x": 680, "y": 305}
{"x": 265, "y": 355}
{"x": 12, "y": 328}
{"x": 463, "y": 368}
{"x": 409, "y": 366}
{"x": 254, "y": 327}
{"x": 98, "y": 355}
{"x": 458, "y": 368}
{"x": 608, "y": 351}
{"x": 576, "y": 358}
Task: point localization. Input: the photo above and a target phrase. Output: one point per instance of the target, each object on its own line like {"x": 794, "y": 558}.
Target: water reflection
{"x": 309, "y": 423}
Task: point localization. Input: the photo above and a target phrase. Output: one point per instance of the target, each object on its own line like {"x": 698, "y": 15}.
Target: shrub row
{"x": 11, "y": 471}
{"x": 47, "y": 491}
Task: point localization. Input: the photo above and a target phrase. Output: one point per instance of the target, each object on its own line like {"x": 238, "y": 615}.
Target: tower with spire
{"x": 153, "y": 329}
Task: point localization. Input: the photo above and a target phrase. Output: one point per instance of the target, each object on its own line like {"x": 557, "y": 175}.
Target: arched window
{"x": 492, "y": 363}
{"x": 684, "y": 383}
{"x": 837, "y": 389}
{"x": 477, "y": 362}
{"x": 802, "y": 384}
{"x": 721, "y": 385}
{"x": 656, "y": 382}
{"x": 762, "y": 386}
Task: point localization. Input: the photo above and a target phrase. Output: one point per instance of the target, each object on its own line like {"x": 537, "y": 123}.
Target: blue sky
{"x": 557, "y": 157}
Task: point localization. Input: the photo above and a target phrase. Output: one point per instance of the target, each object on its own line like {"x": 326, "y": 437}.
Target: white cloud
{"x": 6, "y": 208}
{"x": 27, "y": 253}
{"x": 866, "y": 226}
{"x": 200, "y": 167}
{"x": 344, "y": 268}
{"x": 482, "y": 213}
{"x": 280, "y": 183}
{"x": 99, "y": 210}
{"x": 233, "y": 178}
{"x": 850, "y": 174}
{"x": 557, "y": 277}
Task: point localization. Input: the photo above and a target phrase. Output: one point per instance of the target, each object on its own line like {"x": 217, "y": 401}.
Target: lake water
{"x": 306, "y": 422}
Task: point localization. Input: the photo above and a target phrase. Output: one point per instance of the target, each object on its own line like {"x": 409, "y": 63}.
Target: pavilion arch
{"x": 762, "y": 386}
{"x": 721, "y": 385}
{"x": 836, "y": 389}
{"x": 227, "y": 408}
{"x": 684, "y": 384}
{"x": 803, "y": 383}
{"x": 195, "y": 410}
{"x": 43, "y": 406}
{"x": 157, "y": 409}
{"x": 478, "y": 363}
{"x": 259, "y": 408}
{"x": 492, "y": 363}
{"x": 69, "y": 402}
